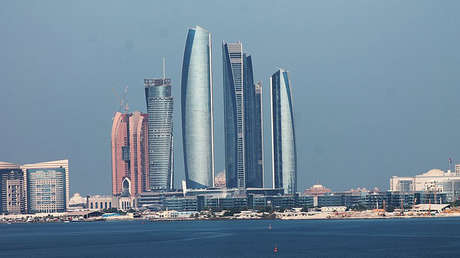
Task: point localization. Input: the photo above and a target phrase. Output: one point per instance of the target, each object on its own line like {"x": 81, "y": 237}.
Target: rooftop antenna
{"x": 164, "y": 68}
{"x": 125, "y": 100}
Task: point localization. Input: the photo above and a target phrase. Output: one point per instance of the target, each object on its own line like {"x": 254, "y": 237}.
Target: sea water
{"x": 426, "y": 237}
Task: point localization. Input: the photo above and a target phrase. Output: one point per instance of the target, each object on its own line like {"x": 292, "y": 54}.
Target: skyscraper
{"x": 46, "y": 190}
{"x": 160, "y": 133}
{"x": 254, "y": 144}
{"x": 197, "y": 109}
{"x": 243, "y": 119}
{"x": 129, "y": 153}
{"x": 232, "y": 56}
{"x": 47, "y": 186}
{"x": 284, "y": 154}
{"x": 12, "y": 193}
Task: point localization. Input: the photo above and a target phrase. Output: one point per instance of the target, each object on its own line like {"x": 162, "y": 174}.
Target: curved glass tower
{"x": 197, "y": 109}
{"x": 284, "y": 154}
{"x": 243, "y": 119}
{"x": 233, "y": 82}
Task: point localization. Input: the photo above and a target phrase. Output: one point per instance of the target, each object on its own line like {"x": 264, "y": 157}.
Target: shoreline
{"x": 312, "y": 217}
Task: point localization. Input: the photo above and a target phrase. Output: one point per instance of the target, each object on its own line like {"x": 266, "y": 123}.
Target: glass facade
{"x": 46, "y": 190}
{"x": 12, "y": 198}
{"x": 243, "y": 119}
{"x": 232, "y": 55}
{"x": 284, "y": 154}
{"x": 160, "y": 133}
{"x": 130, "y": 152}
{"x": 253, "y": 127}
{"x": 197, "y": 110}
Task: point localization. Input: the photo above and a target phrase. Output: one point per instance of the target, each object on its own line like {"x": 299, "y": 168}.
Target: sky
{"x": 376, "y": 84}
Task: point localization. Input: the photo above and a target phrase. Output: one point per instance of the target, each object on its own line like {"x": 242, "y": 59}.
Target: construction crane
{"x": 123, "y": 107}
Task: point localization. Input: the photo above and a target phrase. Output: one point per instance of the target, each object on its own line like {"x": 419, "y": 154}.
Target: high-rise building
{"x": 47, "y": 186}
{"x": 232, "y": 56}
{"x": 243, "y": 119}
{"x": 254, "y": 145}
{"x": 197, "y": 109}
{"x": 129, "y": 154}
{"x": 12, "y": 194}
{"x": 284, "y": 154}
{"x": 160, "y": 133}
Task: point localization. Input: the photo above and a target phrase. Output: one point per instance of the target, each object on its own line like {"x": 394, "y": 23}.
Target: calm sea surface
{"x": 435, "y": 237}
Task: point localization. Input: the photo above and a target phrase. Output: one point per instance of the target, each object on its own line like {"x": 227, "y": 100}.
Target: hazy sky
{"x": 376, "y": 84}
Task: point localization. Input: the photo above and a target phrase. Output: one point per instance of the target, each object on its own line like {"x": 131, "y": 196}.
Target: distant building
{"x": 77, "y": 202}
{"x": 107, "y": 202}
{"x": 255, "y": 165}
{"x": 47, "y": 186}
{"x": 433, "y": 181}
{"x": 219, "y": 181}
{"x": 284, "y": 153}
{"x": 197, "y": 109}
{"x": 46, "y": 190}
{"x": 316, "y": 190}
{"x": 160, "y": 133}
{"x": 12, "y": 193}
{"x": 243, "y": 119}
{"x": 130, "y": 160}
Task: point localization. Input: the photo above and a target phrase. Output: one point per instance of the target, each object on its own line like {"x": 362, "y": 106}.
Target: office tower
{"x": 234, "y": 114}
{"x": 12, "y": 194}
{"x": 258, "y": 138}
{"x": 129, "y": 154}
{"x": 284, "y": 155}
{"x": 253, "y": 128}
{"x": 160, "y": 133}
{"x": 47, "y": 186}
{"x": 197, "y": 110}
{"x": 243, "y": 119}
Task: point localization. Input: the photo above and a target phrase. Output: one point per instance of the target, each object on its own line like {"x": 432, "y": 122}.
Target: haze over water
{"x": 376, "y": 83}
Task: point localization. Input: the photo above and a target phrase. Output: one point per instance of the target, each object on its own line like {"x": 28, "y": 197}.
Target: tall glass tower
{"x": 235, "y": 171}
{"x": 243, "y": 119}
{"x": 284, "y": 154}
{"x": 254, "y": 134}
{"x": 197, "y": 109}
{"x": 160, "y": 133}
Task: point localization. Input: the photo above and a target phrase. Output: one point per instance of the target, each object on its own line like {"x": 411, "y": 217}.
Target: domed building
{"x": 316, "y": 190}
{"x": 219, "y": 180}
{"x": 434, "y": 181}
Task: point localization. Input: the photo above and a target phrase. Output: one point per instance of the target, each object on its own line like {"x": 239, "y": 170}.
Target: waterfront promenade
{"x": 289, "y": 214}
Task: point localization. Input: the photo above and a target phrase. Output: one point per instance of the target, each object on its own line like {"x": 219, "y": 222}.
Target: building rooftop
{"x": 8, "y": 165}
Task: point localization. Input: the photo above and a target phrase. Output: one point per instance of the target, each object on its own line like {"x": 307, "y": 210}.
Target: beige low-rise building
{"x": 105, "y": 202}
{"x": 435, "y": 180}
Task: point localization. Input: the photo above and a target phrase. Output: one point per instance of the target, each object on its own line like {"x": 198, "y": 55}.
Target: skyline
{"x": 386, "y": 95}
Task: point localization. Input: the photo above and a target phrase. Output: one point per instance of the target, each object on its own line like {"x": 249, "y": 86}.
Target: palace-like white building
{"x": 435, "y": 181}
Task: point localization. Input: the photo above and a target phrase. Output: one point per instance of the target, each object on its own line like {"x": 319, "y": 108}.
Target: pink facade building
{"x": 129, "y": 154}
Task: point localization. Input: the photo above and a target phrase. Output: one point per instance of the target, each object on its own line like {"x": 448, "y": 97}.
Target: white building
{"x": 334, "y": 209}
{"x": 434, "y": 180}
{"x": 104, "y": 202}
